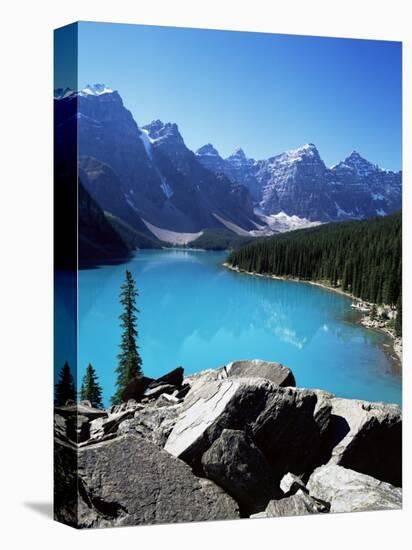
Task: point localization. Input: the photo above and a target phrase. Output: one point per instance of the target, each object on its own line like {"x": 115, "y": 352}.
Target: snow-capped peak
{"x": 89, "y": 90}
{"x": 95, "y": 89}
{"x": 308, "y": 150}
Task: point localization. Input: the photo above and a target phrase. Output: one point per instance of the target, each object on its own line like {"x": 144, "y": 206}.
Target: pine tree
{"x": 65, "y": 388}
{"x": 91, "y": 389}
{"x": 374, "y": 313}
{"x": 130, "y": 362}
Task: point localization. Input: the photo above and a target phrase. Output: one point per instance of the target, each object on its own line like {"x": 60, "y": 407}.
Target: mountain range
{"x": 299, "y": 183}
{"x": 150, "y": 185}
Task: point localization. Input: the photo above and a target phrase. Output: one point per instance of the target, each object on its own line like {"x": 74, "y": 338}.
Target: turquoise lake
{"x": 197, "y": 314}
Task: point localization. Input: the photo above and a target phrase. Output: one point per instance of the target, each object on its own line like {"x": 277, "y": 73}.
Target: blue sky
{"x": 266, "y": 93}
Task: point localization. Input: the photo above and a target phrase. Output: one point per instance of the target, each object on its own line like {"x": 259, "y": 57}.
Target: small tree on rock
{"x": 91, "y": 389}
{"x": 130, "y": 362}
{"x": 65, "y": 388}
{"x": 373, "y": 313}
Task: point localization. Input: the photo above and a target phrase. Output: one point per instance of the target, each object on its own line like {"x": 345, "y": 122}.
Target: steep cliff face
{"x": 146, "y": 173}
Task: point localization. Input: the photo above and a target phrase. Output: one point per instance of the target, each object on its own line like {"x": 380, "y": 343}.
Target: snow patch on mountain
{"x": 165, "y": 187}
{"x": 232, "y": 226}
{"x": 147, "y": 142}
{"x": 282, "y": 222}
{"x": 96, "y": 90}
{"x": 342, "y": 213}
{"x": 172, "y": 237}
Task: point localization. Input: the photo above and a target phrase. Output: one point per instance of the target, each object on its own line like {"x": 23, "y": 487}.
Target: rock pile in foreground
{"x": 239, "y": 441}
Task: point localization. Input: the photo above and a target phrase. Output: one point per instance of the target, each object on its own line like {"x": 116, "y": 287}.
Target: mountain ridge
{"x": 149, "y": 177}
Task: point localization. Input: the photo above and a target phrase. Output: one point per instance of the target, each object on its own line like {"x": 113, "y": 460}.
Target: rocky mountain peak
{"x": 164, "y": 132}
{"x": 357, "y": 163}
{"x": 239, "y": 156}
{"x": 207, "y": 149}
{"x": 96, "y": 89}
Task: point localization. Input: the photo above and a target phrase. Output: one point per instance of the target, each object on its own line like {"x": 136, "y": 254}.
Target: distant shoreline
{"x": 364, "y": 320}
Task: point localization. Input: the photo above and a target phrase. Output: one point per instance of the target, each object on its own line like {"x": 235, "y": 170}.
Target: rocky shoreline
{"x": 364, "y": 320}
{"x": 237, "y": 441}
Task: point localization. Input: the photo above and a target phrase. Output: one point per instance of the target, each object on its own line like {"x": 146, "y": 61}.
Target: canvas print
{"x": 228, "y": 275}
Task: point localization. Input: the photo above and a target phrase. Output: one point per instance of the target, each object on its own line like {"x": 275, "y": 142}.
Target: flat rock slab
{"x": 275, "y": 372}
{"x": 350, "y": 491}
{"x": 130, "y": 481}
{"x": 73, "y": 410}
{"x": 280, "y": 420}
{"x": 211, "y": 406}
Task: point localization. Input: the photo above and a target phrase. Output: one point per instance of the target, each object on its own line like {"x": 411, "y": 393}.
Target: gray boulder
{"x": 366, "y": 437}
{"x": 104, "y": 426}
{"x": 211, "y": 406}
{"x": 152, "y": 422}
{"x": 65, "y": 503}
{"x": 275, "y": 372}
{"x": 350, "y": 491}
{"x": 280, "y": 420}
{"x": 130, "y": 481}
{"x": 299, "y": 504}
{"x": 236, "y": 464}
{"x": 60, "y": 427}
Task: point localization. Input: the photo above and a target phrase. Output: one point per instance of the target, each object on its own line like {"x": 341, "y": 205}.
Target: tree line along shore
{"x": 360, "y": 258}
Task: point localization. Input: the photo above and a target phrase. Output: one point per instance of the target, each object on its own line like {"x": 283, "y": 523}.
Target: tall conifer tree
{"x": 91, "y": 389}
{"x": 130, "y": 362}
{"x": 65, "y": 387}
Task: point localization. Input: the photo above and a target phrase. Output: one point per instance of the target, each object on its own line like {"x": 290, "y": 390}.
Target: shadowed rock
{"x": 287, "y": 431}
{"x": 366, "y": 437}
{"x": 236, "y": 464}
{"x": 136, "y": 387}
{"x": 174, "y": 377}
